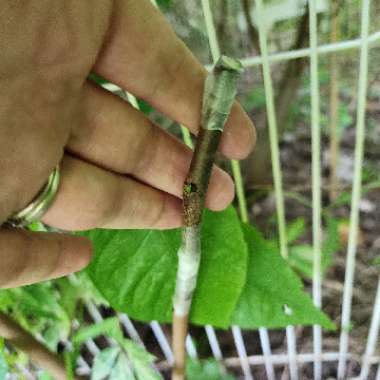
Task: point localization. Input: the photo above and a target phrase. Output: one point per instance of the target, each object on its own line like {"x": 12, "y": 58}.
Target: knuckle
{"x": 171, "y": 70}
{"x": 158, "y": 211}
{"x": 145, "y": 158}
{"x": 109, "y": 204}
{"x": 142, "y": 207}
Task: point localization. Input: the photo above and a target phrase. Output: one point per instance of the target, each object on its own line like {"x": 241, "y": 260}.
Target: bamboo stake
{"x": 218, "y": 97}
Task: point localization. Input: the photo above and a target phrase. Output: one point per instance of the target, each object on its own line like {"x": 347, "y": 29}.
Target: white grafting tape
{"x": 188, "y": 264}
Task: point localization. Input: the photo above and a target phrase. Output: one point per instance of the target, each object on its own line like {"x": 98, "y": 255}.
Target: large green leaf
{"x": 135, "y": 270}
{"x": 273, "y": 296}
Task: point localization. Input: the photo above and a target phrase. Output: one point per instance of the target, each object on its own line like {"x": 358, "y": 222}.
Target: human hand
{"x": 118, "y": 170}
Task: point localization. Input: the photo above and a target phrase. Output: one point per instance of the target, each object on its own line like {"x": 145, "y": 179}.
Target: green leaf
{"x": 301, "y": 256}
{"x": 112, "y": 364}
{"x": 254, "y": 99}
{"x": 135, "y": 270}
{"x": 376, "y": 261}
{"x": 107, "y": 363}
{"x": 273, "y": 296}
{"x": 331, "y": 243}
{"x": 206, "y": 370}
{"x": 70, "y": 358}
{"x": 164, "y": 4}
{"x": 78, "y": 287}
{"x": 137, "y": 352}
{"x": 6, "y": 300}
{"x": 122, "y": 370}
{"x": 301, "y": 259}
{"x": 345, "y": 117}
{"x": 141, "y": 361}
{"x": 104, "y": 361}
{"x": 3, "y": 367}
{"x": 43, "y": 376}
{"x": 39, "y": 300}
{"x": 37, "y": 308}
{"x": 130, "y": 363}
{"x": 295, "y": 229}
{"x": 70, "y": 296}
{"x": 109, "y": 327}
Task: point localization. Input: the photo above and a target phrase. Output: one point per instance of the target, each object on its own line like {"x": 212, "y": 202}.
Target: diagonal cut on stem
{"x": 218, "y": 97}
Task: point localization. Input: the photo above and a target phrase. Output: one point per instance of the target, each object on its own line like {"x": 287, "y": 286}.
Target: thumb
{"x": 28, "y": 257}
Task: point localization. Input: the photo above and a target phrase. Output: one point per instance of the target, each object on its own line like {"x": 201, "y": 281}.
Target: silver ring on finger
{"x": 36, "y": 209}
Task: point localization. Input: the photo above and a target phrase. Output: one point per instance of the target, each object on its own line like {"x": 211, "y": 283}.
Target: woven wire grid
{"x": 290, "y": 360}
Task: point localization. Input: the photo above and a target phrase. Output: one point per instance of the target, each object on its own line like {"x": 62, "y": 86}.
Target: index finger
{"x": 143, "y": 55}
{"x": 28, "y": 257}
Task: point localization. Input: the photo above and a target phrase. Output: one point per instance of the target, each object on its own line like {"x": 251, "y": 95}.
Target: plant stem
{"x": 21, "y": 339}
{"x": 239, "y": 186}
{"x": 218, "y": 97}
{"x": 273, "y": 132}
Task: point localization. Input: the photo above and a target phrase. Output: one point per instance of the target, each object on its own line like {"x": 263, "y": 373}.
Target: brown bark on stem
{"x": 179, "y": 337}
{"x": 197, "y": 180}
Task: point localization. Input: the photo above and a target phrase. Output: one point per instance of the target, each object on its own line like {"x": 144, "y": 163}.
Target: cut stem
{"x": 218, "y": 97}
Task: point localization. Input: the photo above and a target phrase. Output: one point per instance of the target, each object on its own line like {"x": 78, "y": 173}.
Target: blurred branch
{"x": 292, "y": 75}
{"x": 225, "y": 16}
{"x": 39, "y": 354}
{"x": 253, "y": 34}
{"x": 260, "y": 161}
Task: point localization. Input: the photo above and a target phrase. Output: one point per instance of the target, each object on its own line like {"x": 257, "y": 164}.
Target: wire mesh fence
{"x": 292, "y": 359}
{"x": 285, "y": 361}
